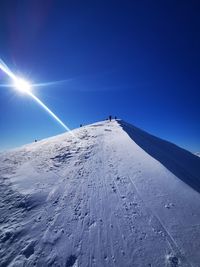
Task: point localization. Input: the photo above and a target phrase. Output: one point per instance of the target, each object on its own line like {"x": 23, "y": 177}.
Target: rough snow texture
{"x": 97, "y": 199}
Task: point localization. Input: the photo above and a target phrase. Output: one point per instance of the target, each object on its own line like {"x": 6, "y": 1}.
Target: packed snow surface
{"x": 107, "y": 195}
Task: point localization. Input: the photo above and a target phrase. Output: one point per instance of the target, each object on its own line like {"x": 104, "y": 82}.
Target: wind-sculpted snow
{"x": 95, "y": 200}
{"x": 179, "y": 161}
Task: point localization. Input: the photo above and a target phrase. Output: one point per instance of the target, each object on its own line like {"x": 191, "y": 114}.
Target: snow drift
{"x": 113, "y": 195}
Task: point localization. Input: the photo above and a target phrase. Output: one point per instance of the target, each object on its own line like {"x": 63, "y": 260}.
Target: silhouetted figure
{"x": 35, "y": 140}
{"x": 115, "y": 117}
{"x": 110, "y": 117}
{"x": 81, "y": 125}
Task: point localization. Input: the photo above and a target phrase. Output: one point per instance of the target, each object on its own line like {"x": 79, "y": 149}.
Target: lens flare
{"x": 48, "y": 110}
{"x": 24, "y": 86}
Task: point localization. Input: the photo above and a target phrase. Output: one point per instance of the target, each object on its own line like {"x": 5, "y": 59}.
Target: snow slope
{"x": 108, "y": 195}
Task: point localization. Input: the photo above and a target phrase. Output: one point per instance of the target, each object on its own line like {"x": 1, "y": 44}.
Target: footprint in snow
{"x": 29, "y": 250}
{"x": 71, "y": 260}
{"x": 169, "y": 205}
{"x": 172, "y": 260}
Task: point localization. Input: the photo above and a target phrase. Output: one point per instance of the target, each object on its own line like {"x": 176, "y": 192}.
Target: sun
{"x": 22, "y": 85}
{"x": 25, "y": 87}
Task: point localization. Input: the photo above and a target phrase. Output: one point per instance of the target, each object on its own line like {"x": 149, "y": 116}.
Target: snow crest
{"x": 98, "y": 199}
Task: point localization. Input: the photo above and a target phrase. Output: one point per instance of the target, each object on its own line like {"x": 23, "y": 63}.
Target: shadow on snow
{"x": 179, "y": 161}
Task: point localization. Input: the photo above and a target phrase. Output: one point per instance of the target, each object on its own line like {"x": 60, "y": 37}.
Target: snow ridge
{"x": 179, "y": 161}
{"x": 99, "y": 199}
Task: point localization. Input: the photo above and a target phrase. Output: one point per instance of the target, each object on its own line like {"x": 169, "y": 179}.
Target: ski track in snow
{"x": 97, "y": 200}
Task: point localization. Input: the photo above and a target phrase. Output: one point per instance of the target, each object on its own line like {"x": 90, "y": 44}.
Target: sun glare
{"x": 22, "y": 85}
{"x": 25, "y": 87}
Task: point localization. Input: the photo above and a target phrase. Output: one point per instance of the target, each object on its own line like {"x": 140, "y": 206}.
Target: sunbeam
{"x": 44, "y": 84}
{"x": 24, "y": 86}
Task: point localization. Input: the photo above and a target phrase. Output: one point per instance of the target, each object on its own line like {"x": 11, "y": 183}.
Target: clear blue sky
{"x": 138, "y": 60}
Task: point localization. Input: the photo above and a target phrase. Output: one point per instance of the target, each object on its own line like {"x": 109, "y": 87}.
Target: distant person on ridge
{"x": 110, "y": 117}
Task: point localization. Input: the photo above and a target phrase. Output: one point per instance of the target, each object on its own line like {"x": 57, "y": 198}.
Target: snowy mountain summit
{"x": 197, "y": 154}
{"x": 107, "y": 194}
